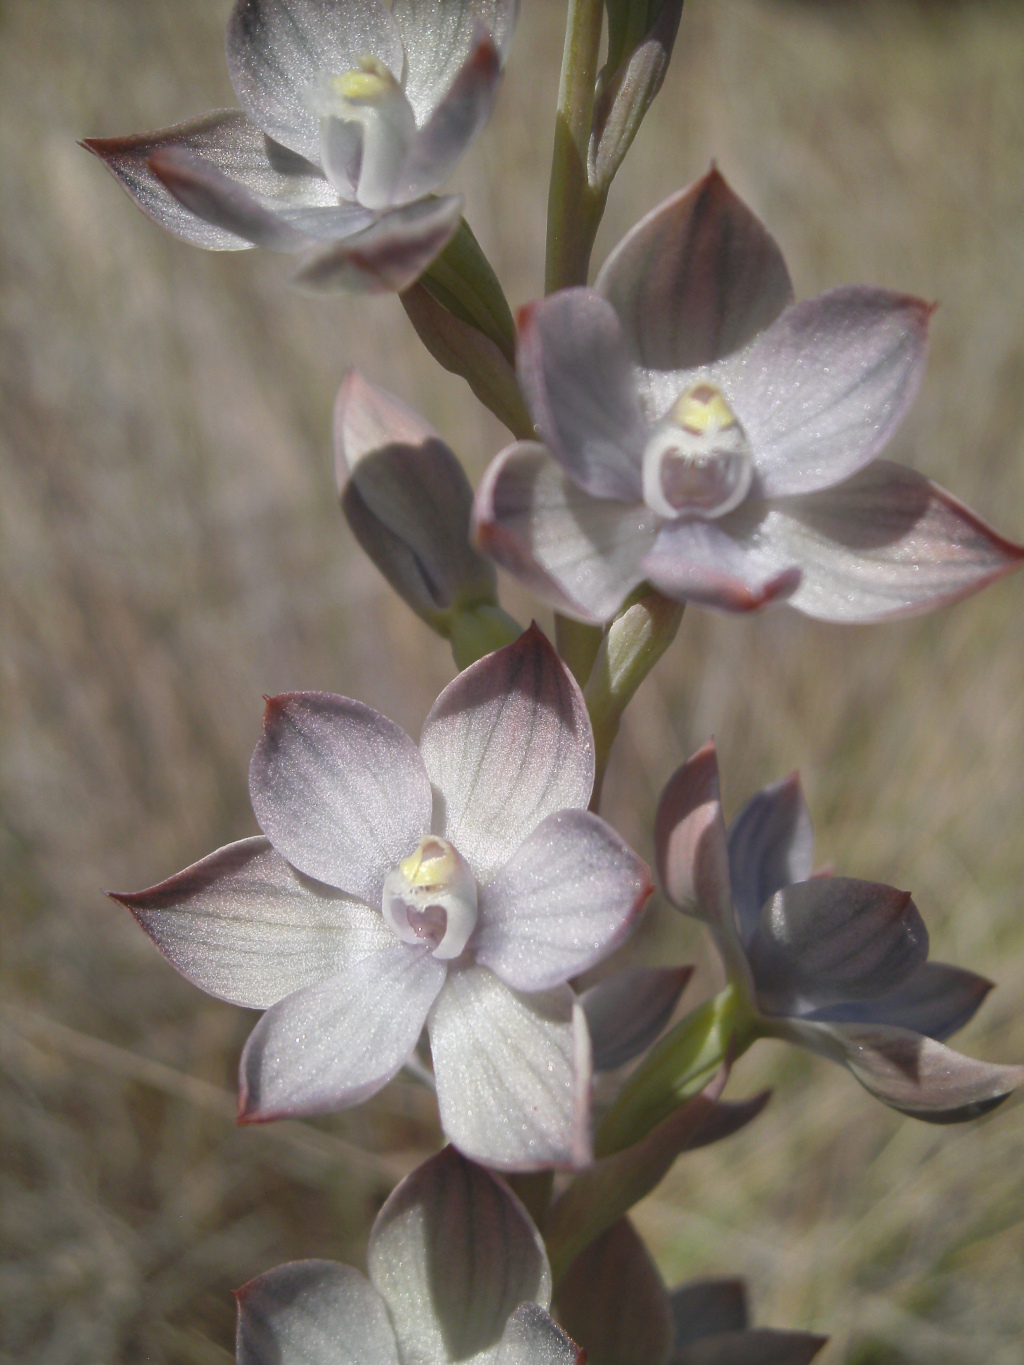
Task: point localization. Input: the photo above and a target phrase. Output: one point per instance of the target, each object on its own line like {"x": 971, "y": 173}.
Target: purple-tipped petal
{"x": 936, "y": 1000}
{"x": 532, "y": 1337}
{"x": 281, "y": 54}
{"x": 439, "y": 38}
{"x": 833, "y": 939}
{"x": 911, "y": 1073}
{"x": 577, "y": 378}
{"x": 696, "y": 279}
{"x": 758, "y": 1346}
{"x": 243, "y": 925}
{"x": 822, "y": 391}
{"x": 627, "y": 1011}
{"x": 227, "y": 143}
{"x": 512, "y": 1071}
{"x": 507, "y": 744}
{"x": 336, "y": 1043}
{"x": 339, "y": 789}
{"x": 581, "y": 554}
{"x": 706, "y": 1308}
{"x": 707, "y": 562}
{"x": 453, "y": 1253}
{"x": 565, "y": 899}
{"x": 386, "y": 257}
{"x": 771, "y": 845}
{"x": 316, "y": 1312}
{"x": 613, "y": 1302}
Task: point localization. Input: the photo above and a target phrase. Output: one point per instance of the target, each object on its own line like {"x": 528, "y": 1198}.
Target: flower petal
{"x": 439, "y": 38}
{"x": 915, "y": 1075}
{"x": 771, "y": 844}
{"x": 227, "y": 142}
{"x": 822, "y": 391}
{"x": 565, "y": 899}
{"x": 281, "y": 53}
{"x": 758, "y": 1346}
{"x": 453, "y": 1253}
{"x": 532, "y": 1337}
{"x": 389, "y": 255}
{"x": 705, "y": 1308}
{"x": 627, "y": 1011}
{"x": 833, "y": 939}
{"x": 575, "y": 373}
{"x": 334, "y": 1044}
{"x": 581, "y": 554}
{"x": 512, "y": 1071}
{"x": 613, "y": 1302}
{"x": 936, "y": 1000}
{"x": 316, "y": 1312}
{"x": 339, "y": 789}
{"x": 696, "y": 279}
{"x": 707, "y": 562}
{"x": 507, "y": 744}
{"x": 243, "y": 925}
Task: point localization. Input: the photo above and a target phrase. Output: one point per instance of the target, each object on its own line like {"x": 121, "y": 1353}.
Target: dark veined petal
{"x": 581, "y": 554}
{"x": 334, "y": 1044}
{"x": 706, "y": 562}
{"x": 532, "y": 1337}
{"x": 614, "y": 1303}
{"x": 580, "y": 385}
{"x": 243, "y": 925}
{"x": 227, "y": 143}
{"x": 439, "y": 37}
{"x": 706, "y": 1308}
{"x": 696, "y": 279}
{"x": 387, "y": 256}
{"x": 316, "y": 1312}
{"x": 281, "y": 54}
{"x": 936, "y": 1000}
{"x": 757, "y": 1346}
{"x": 507, "y": 744}
{"x": 453, "y": 1253}
{"x": 627, "y": 1011}
{"x": 513, "y": 1072}
{"x": 771, "y": 844}
{"x": 833, "y": 939}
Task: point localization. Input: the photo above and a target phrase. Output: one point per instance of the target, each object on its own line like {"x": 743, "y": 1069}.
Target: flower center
{"x": 430, "y": 898}
{"x": 697, "y": 462}
{"x": 366, "y": 129}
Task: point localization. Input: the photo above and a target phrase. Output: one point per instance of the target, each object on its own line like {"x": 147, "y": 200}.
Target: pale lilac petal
{"x": 833, "y": 939}
{"x": 708, "y": 1307}
{"x": 936, "y": 1000}
{"x": 614, "y": 1303}
{"x": 771, "y": 844}
{"x": 565, "y": 899}
{"x": 512, "y": 1071}
{"x": 334, "y": 1044}
{"x": 706, "y": 562}
{"x": 627, "y": 1011}
{"x": 339, "y": 789}
{"x": 577, "y": 378}
{"x": 758, "y": 1346}
{"x": 507, "y": 744}
{"x": 581, "y": 554}
{"x": 281, "y": 54}
{"x": 313, "y": 1312}
{"x": 532, "y": 1337}
{"x": 453, "y": 1253}
{"x": 822, "y": 391}
{"x": 696, "y": 279}
{"x": 243, "y": 925}
{"x": 386, "y": 257}
{"x": 228, "y": 143}
{"x": 913, "y": 1074}
{"x": 439, "y": 36}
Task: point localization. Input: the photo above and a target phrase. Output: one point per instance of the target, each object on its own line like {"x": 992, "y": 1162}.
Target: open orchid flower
{"x": 716, "y": 439}
{"x": 354, "y": 114}
{"x": 457, "y": 885}
{"x": 457, "y": 1271}
{"x": 835, "y": 964}
{"x": 614, "y": 1303}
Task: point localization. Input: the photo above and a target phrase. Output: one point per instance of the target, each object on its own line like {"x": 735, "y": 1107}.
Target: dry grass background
{"x": 171, "y": 549}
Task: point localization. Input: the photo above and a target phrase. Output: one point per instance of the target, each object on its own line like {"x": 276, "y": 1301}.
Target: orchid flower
{"x": 457, "y": 885}
{"x": 835, "y": 964}
{"x": 352, "y": 115}
{"x": 708, "y": 435}
{"x": 456, "y": 1271}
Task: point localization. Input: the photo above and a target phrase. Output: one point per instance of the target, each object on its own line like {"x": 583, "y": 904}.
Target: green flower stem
{"x": 578, "y": 645}
{"x": 633, "y": 643}
{"x": 678, "y": 1068}
{"x": 478, "y": 630}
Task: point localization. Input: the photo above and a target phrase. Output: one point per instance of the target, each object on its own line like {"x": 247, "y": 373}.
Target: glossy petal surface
{"x": 936, "y": 1000}
{"x": 439, "y": 36}
{"x": 340, "y": 790}
{"x": 627, "y": 1011}
{"x": 313, "y": 1313}
{"x": 613, "y": 1302}
{"x": 336, "y": 1043}
{"x": 771, "y": 844}
{"x": 387, "y": 256}
{"x": 243, "y": 925}
{"x": 707, "y": 562}
{"x": 512, "y": 1071}
{"x": 532, "y": 1337}
{"x": 689, "y": 837}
